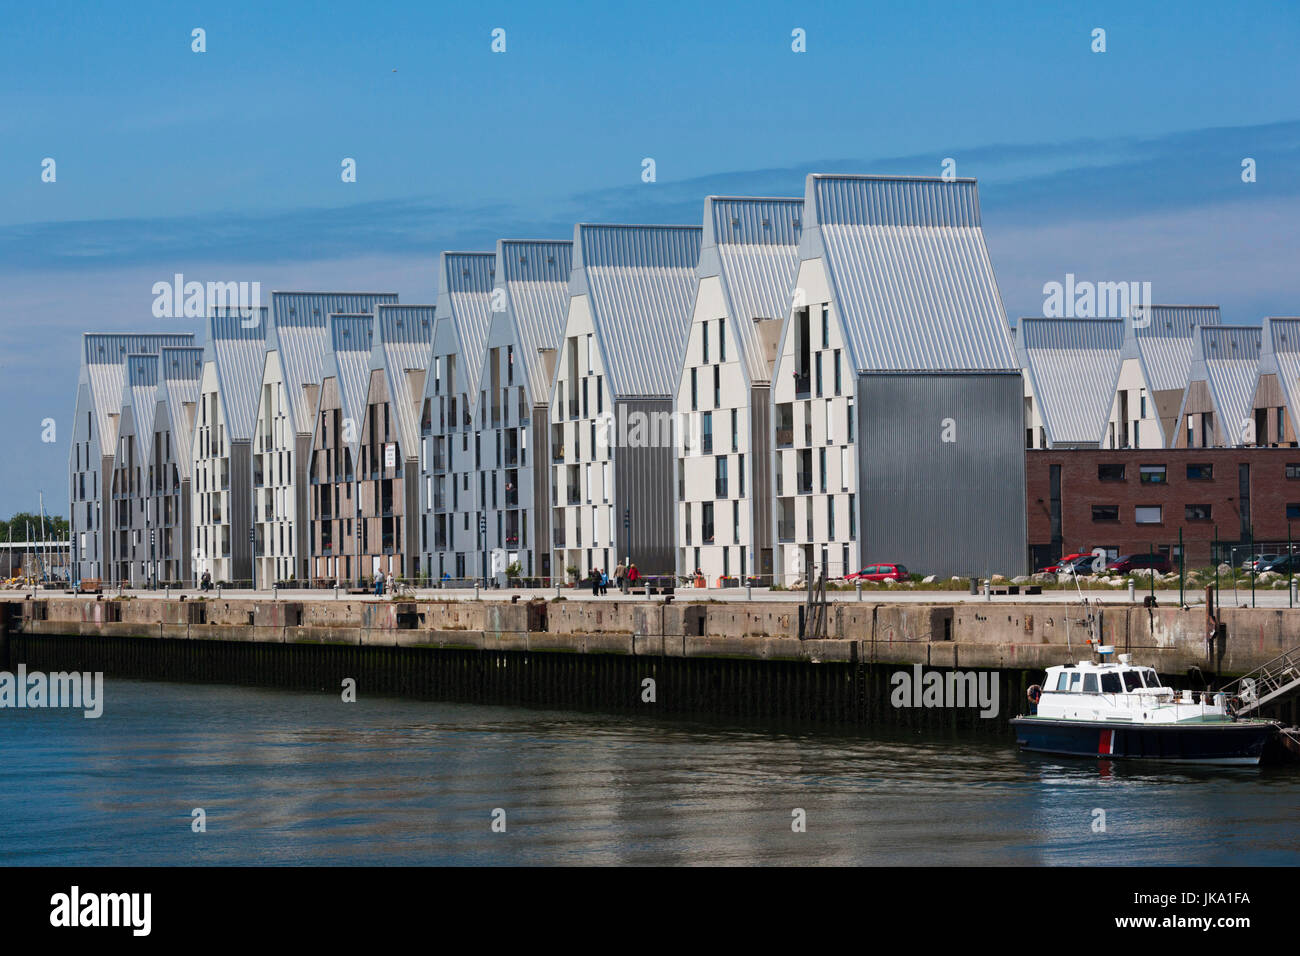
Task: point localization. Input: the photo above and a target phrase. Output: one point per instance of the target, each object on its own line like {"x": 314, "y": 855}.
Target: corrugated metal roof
{"x": 181, "y": 371}
{"x": 139, "y": 394}
{"x": 535, "y": 277}
{"x": 752, "y": 245}
{"x": 298, "y": 334}
{"x": 910, "y": 272}
{"x": 351, "y": 340}
{"x": 1164, "y": 345}
{"x": 1073, "y": 366}
{"x": 1280, "y": 356}
{"x": 465, "y": 283}
{"x": 103, "y": 363}
{"x": 640, "y": 281}
{"x": 1227, "y": 358}
{"x": 236, "y": 345}
{"x": 404, "y": 342}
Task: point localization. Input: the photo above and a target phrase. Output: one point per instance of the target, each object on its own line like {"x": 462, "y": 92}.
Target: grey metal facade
{"x": 644, "y": 493}
{"x": 942, "y": 472}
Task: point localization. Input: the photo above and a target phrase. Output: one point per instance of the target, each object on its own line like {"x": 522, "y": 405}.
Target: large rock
{"x": 1043, "y": 577}
{"x": 999, "y": 579}
{"x": 1225, "y": 569}
{"x": 1020, "y": 579}
{"x": 929, "y": 579}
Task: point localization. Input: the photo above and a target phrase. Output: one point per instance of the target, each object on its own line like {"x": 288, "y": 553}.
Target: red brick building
{"x": 1138, "y": 500}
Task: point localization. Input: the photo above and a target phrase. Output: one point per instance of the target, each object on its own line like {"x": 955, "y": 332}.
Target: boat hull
{"x": 1238, "y": 742}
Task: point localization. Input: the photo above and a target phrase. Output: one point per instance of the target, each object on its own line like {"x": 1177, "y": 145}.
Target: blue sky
{"x": 225, "y": 164}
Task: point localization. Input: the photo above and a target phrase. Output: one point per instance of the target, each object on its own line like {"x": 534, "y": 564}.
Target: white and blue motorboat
{"x": 1117, "y": 709}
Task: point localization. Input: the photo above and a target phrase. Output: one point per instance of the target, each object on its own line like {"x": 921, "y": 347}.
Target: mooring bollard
{"x": 988, "y": 591}
{"x": 749, "y": 592}
{"x": 475, "y": 590}
{"x": 275, "y": 591}
{"x": 336, "y": 592}
{"x": 859, "y": 590}
{"x": 1132, "y": 590}
{"x": 1295, "y": 590}
{"x": 218, "y": 591}
{"x": 557, "y": 588}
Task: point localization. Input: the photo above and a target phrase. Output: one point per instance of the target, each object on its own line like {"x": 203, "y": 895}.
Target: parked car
{"x": 1281, "y": 564}
{"x": 1080, "y": 564}
{"x": 1059, "y": 566}
{"x": 1259, "y": 559}
{"x": 1137, "y": 562}
{"x": 879, "y": 572}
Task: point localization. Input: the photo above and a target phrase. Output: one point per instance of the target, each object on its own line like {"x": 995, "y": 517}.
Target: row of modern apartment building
{"x": 795, "y": 383}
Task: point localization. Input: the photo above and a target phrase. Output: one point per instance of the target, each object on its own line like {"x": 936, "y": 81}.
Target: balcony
{"x": 707, "y": 534}
{"x": 573, "y": 408}
{"x": 574, "y": 497}
{"x": 802, "y": 385}
{"x": 557, "y": 452}
{"x": 557, "y": 537}
{"x": 720, "y": 488}
{"x": 804, "y": 484}
{"x": 785, "y": 531}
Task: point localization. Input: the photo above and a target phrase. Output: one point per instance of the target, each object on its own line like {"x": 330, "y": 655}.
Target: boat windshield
{"x": 1110, "y": 683}
{"x": 1132, "y": 680}
{"x": 1150, "y": 677}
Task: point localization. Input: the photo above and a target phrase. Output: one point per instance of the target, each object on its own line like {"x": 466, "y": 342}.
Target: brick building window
{"x": 1153, "y": 474}
{"x": 1105, "y": 512}
{"x": 1110, "y": 472}
{"x": 1200, "y": 472}
{"x": 1293, "y": 470}
{"x": 1198, "y": 512}
{"x": 1148, "y": 514}
{"x": 1293, "y": 512}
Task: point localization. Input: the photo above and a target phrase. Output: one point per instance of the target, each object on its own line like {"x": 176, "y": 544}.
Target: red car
{"x": 1135, "y": 562}
{"x": 879, "y": 572}
{"x": 1067, "y": 559}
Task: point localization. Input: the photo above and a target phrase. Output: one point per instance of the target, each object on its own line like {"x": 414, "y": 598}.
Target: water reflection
{"x": 300, "y": 778}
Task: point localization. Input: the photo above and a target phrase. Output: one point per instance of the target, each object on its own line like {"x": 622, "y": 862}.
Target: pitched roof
{"x": 1164, "y": 344}
{"x": 465, "y": 282}
{"x": 1280, "y": 356}
{"x": 403, "y": 342}
{"x": 180, "y": 374}
{"x": 1226, "y": 358}
{"x": 139, "y": 394}
{"x": 909, "y": 270}
{"x": 752, "y": 245}
{"x": 640, "y": 281}
{"x": 535, "y": 277}
{"x": 1073, "y": 366}
{"x": 103, "y": 369}
{"x": 298, "y": 334}
{"x": 236, "y": 346}
{"x": 351, "y": 339}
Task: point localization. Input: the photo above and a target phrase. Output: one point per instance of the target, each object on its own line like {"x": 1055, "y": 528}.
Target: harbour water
{"x": 297, "y": 778}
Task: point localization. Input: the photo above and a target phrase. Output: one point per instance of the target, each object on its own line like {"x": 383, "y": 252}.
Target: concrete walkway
{"x": 1165, "y": 598}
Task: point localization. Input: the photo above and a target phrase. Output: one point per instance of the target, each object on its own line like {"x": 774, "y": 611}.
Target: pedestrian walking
{"x": 390, "y": 583}
{"x": 604, "y": 583}
{"x": 379, "y": 583}
{"x": 595, "y": 582}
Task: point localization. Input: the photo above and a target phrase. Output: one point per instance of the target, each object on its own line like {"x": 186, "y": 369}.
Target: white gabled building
{"x": 620, "y": 360}
{"x": 1070, "y": 368}
{"x": 336, "y": 441}
{"x": 291, "y": 377}
{"x": 723, "y": 402}
{"x": 179, "y": 373}
{"x": 1217, "y": 410}
{"x": 451, "y": 482}
{"x": 898, "y": 401}
{"x": 222, "y": 493}
{"x": 1275, "y": 401}
{"x": 133, "y": 516}
{"x": 529, "y": 304}
{"x": 1155, "y": 360}
{"x": 94, "y": 443}
{"x": 388, "y": 458}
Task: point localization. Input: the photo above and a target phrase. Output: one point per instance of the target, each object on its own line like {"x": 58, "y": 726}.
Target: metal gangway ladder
{"x": 1277, "y": 678}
